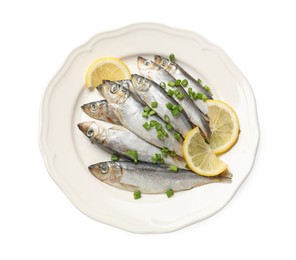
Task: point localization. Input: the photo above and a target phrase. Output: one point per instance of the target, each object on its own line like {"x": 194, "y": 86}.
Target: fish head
{"x": 96, "y": 132}
{"x": 114, "y": 92}
{"x": 165, "y": 63}
{"x": 140, "y": 83}
{"x": 146, "y": 66}
{"x": 108, "y": 172}
{"x": 97, "y": 108}
{"x": 126, "y": 83}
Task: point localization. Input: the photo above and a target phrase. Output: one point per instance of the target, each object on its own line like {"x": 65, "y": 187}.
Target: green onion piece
{"x": 204, "y": 97}
{"x": 170, "y": 193}
{"x": 153, "y": 123}
{"x": 158, "y": 126}
{"x": 154, "y": 104}
{"x": 114, "y": 157}
{"x": 165, "y": 151}
{"x": 184, "y": 83}
{"x": 166, "y": 118}
{"x": 171, "y": 83}
{"x": 152, "y": 113}
{"x": 180, "y": 108}
{"x": 176, "y": 92}
{"x": 172, "y": 57}
{"x": 160, "y": 136}
{"x": 174, "y": 168}
{"x": 177, "y": 136}
{"x": 164, "y": 132}
{"x": 163, "y": 85}
{"x": 199, "y": 95}
{"x": 175, "y": 112}
{"x": 177, "y": 83}
{"x": 169, "y": 105}
{"x": 170, "y": 93}
{"x": 147, "y": 126}
{"x": 157, "y": 158}
{"x": 145, "y": 114}
{"x": 133, "y": 154}
{"x": 173, "y": 154}
{"x": 180, "y": 96}
{"x": 189, "y": 90}
{"x": 168, "y": 126}
{"x": 207, "y": 88}
{"x": 147, "y": 109}
{"x": 195, "y": 96}
{"x": 199, "y": 81}
{"x": 137, "y": 195}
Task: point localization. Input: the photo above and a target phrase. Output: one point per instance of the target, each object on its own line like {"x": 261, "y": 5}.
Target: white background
{"x": 36, "y": 219}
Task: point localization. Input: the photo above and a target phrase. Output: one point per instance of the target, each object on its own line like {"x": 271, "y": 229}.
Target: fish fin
{"x": 129, "y": 187}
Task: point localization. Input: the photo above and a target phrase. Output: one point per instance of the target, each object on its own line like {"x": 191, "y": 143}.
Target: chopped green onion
{"x": 137, "y": 195}
{"x": 147, "y": 126}
{"x": 133, "y": 154}
{"x": 172, "y": 57}
{"x": 157, "y": 158}
{"x": 170, "y": 93}
{"x": 154, "y": 104}
{"x": 207, "y": 88}
{"x": 164, "y": 132}
{"x": 180, "y": 108}
{"x": 158, "y": 126}
{"x": 173, "y": 154}
{"x": 165, "y": 151}
{"x": 114, "y": 157}
{"x": 199, "y": 95}
{"x": 169, "y": 105}
{"x": 166, "y": 118}
{"x": 180, "y": 96}
{"x": 153, "y": 123}
{"x": 147, "y": 109}
{"x": 168, "y": 126}
{"x": 163, "y": 85}
{"x": 177, "y": 136}
{"x": 160, "y": 135}
{"x": 189, "y": 91}
{"x": 145, "y": 114}
{"x": 199, "y": 81}
{"x": 176, "y": 92}
{"x": 174, "y": 168}
{"x": 204, "y": 97}
{"x": 175, "y": 112}
{"x": 170, "y": 193}
{"x": 177, "y": 82}
{"x": 184, "y": 83}
{"x": 171, "y": 83}
{"x": 152, "y": 113}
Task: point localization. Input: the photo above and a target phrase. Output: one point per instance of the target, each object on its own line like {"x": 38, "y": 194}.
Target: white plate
{"x": 67, "y": 153}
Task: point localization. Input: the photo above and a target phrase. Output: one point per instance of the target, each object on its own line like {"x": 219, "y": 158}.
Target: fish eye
{"x": 93, "y": 107}
{"x": 139, "y": 80}
{"x": 104, "y": 168}
{"x": 90, "y": 132}
{"x": 147, "y": 62}
{"x": 114, "y": 88}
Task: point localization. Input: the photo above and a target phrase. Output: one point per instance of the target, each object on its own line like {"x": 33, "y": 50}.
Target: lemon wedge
{"x": 224, "y": 125}
{"x": 108, "y": 68}
{"x": 199, "y": 156}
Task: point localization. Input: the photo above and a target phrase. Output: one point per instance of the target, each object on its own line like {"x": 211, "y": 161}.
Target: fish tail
{"x": 225, "y": 177}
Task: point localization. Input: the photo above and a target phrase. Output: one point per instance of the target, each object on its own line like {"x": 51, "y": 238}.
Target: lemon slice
{"x": 199, "y": 156}
{"x": 106, "y": 68}
{"x": 224, "y": 125}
